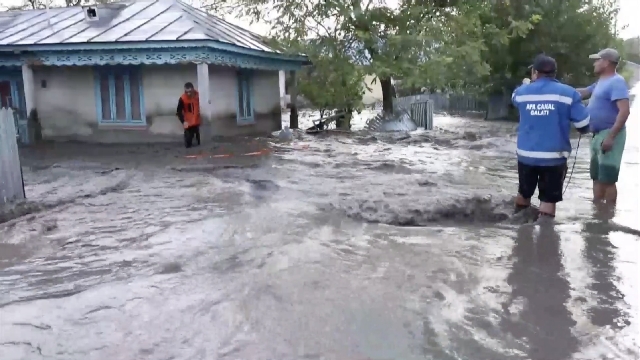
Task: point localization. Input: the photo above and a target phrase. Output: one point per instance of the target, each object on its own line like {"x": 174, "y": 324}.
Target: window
{"x": 245, "y": 98}
{"x": 119, "y": 96}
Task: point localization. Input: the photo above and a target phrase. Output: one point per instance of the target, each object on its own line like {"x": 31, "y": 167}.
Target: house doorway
{"x": 6, "y": 95}
{"x": 11, "y": 96}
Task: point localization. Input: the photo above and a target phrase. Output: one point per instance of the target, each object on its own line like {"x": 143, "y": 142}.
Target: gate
{"x": 11, "y": 181}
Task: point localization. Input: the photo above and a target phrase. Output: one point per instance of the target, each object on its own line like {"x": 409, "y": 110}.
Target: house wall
{"x": 372, "y": 90}
{"x": 67, "y": 105}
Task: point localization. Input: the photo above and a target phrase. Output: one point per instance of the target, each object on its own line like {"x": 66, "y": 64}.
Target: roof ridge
{"x": 126, "y": 21}
{"x": 218, "y": 18}
{"x": 227, "y": 28}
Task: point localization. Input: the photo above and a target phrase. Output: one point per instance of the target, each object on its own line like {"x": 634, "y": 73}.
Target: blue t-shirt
{"x": 602, "y": 105}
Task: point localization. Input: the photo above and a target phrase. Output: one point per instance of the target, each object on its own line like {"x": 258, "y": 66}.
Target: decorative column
{"x": 206, "y": 110}
{"x": 293, "y": 92}
{"x": 31, "y": 128}
{"x": 29, "y": 88}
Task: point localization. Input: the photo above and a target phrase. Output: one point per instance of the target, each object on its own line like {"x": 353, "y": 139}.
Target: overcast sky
{"x": 628, "y": 10}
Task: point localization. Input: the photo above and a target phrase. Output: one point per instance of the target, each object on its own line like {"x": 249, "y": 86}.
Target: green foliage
{"x": 627, "y": 74}
{"x": 631, "y": 50}
{"x": 427, "y": 43}
{"x": 334, "y": 81}
{"x": 568, "y": 30}
{"x": 470, "y": 46}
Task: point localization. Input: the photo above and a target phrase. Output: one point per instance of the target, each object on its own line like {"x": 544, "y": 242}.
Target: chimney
{"x": 90, "y": 13}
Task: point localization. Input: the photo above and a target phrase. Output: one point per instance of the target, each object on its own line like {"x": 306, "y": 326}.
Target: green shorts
{"x": 605, "y": 168}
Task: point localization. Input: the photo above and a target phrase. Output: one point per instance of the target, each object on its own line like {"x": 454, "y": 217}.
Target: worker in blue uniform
{"x": 547, "y": 109}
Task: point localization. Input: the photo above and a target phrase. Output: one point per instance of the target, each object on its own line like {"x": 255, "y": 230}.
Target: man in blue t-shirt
{"x": 547, "y": 110}
{"x": 609, "y": 110}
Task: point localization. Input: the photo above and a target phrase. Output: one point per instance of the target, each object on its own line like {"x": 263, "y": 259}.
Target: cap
{"x": 544, "y": 64}
{"x": 607, "y": 54}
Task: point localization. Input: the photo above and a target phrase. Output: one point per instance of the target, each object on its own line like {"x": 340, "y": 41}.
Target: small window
{"x": 119, "y": 96}
{"x": 245, "y": 98}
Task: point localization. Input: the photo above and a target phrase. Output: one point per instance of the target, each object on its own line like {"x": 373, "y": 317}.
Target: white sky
{"x": 628, "y": 10}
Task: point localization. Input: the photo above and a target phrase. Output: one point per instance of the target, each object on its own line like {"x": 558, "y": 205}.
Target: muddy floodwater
{"x": 336, "y": 246}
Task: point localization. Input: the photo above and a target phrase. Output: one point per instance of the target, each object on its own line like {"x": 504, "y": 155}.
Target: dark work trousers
{"x": 189, "y": 133}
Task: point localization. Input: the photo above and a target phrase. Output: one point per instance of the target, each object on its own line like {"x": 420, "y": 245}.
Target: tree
{"x": 31, "y": 5}
{"x": 631, "y": 50}
{"x": 334, "y": 82}
{"x": 568, "y": 30}
{"x": 42, "y": 4}
{"x": 417, "y": 40}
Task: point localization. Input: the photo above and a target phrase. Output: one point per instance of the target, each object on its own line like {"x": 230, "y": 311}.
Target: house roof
{"x": 129, "y": 21}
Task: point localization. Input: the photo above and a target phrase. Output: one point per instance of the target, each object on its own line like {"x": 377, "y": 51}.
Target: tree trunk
{"x": 387, "y": 95}
{"x": 344, "y": 122}
{"x": 293, "y": 115}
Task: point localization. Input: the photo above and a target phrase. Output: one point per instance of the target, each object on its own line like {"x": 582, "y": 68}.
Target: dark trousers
{"x": 548, "y": 179}
{"x": 189, "y": 133}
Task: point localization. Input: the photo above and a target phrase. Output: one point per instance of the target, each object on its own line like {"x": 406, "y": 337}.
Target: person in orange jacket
{"x": 188, "y": 112}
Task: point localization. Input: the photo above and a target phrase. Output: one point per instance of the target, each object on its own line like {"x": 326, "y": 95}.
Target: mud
{"x": 333, "y": 246}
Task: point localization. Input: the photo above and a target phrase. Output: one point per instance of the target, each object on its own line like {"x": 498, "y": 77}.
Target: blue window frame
{"x": 119, "y": 98}
{"x": 245, "y": 98}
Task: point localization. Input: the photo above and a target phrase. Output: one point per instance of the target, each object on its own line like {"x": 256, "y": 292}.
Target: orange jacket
{"x": 191, "y": 109}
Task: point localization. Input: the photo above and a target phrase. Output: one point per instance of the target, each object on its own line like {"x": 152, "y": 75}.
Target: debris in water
{"x": 285, "y": 134}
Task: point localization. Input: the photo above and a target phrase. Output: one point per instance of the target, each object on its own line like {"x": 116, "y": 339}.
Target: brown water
{"x": 361, "y": 246}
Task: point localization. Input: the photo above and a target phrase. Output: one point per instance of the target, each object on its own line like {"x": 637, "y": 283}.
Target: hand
{"x": 607, "y": 144}
{"x": 185, "y": 124}
{"x": 526, "y": 81}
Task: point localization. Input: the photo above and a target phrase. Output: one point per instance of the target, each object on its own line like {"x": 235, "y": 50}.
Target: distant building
{"x": 114, "y": 72}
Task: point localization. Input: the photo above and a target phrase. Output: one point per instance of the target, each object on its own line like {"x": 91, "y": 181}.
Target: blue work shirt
{"x": 547, "y": 109}
{"x": 603, "y": 106}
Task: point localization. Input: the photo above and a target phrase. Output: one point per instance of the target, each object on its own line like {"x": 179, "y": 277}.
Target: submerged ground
{"x": 342, "y": 246}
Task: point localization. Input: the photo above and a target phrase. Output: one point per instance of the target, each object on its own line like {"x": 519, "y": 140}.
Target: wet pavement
{"x": 334, "y": 246}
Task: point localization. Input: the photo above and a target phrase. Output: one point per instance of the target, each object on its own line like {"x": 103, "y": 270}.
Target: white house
{"x": 114, "y": 72}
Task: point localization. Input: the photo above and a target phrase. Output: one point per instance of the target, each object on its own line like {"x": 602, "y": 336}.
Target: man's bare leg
{"x": 522, "y": 203}
{"x": 599, "y": 191}
{"x": 610, "y": 193}
{"x": 548, "y": 208}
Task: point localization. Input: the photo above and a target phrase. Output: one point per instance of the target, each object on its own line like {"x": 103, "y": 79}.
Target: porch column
{"x": 29, "y": 88}
{"x": 282, "y": 80}
{"x": 32, "y": 128}
{"x": 203, "y": 90}
{"x": 293, "y": 91}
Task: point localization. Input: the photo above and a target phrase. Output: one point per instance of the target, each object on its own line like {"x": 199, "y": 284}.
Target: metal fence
{"x": 422, "y": 114}
{"x": 11, "y": 182}
{"x": 450, "y": 103}
{"x": 418, "y": 107}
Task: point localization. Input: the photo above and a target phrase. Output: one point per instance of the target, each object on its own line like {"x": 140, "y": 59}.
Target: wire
{"x": 575, "y": 160}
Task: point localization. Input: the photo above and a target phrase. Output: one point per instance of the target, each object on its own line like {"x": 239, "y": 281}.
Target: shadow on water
{"x": 601, "y": 254}
{"x": 344, "y": 246}
{"x": 536, "y": 311}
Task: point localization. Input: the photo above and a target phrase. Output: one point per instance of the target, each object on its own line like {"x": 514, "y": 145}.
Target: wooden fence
{"x": 11, "y": 181}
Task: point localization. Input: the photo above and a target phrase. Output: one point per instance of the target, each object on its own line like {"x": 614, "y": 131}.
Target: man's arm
{"x": 525, "y": 81}
{"x": 620, "y": 95}
{"x": 579, "y": 115}
{"x": 585, "y": 93}
{"x": 513, "y": 96}
{"x": 179, "y": 110}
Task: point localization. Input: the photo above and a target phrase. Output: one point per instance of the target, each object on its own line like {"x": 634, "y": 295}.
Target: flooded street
{"x": 339, "y": 246}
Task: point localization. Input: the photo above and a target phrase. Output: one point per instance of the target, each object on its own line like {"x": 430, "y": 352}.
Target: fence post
{"x": 11, "y": 181}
